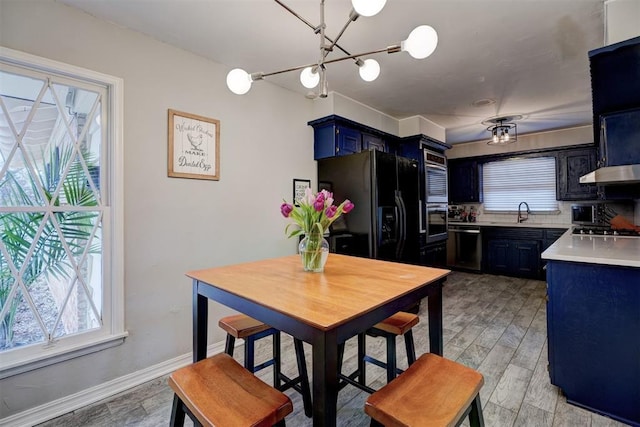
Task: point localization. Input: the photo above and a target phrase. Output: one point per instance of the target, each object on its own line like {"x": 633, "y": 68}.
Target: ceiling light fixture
{"x": 503, "y": 131}
{"x": 421, "y": 43}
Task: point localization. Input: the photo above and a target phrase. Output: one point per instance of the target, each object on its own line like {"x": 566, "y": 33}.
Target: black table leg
{"x": 325, "y": 380}
{"x": 434, "y": 301}
{"x": 200, "y": 323}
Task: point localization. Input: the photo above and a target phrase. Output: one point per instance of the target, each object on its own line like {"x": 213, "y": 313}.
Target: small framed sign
{"x": 194, "y": 146}
{"x": 299, "y": 187}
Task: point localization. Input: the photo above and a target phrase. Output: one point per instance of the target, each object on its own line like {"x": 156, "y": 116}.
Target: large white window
{"x": 506, "y": 183}
{"x": 60, "y": 257}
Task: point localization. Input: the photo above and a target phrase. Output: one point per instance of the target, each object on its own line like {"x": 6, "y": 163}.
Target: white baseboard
{"x": 70, "y": 403}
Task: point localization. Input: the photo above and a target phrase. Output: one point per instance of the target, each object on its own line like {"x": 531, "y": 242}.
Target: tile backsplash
{"x": 627, "y": 210}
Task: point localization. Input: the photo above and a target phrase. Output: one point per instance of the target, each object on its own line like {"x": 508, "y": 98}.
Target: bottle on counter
{"x": 464, "y": 216}
{"x": 473, "y": 215}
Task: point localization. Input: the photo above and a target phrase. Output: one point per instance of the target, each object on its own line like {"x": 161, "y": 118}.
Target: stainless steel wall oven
{"x": 436, "y": 221}
{"x": 435, "y": 177}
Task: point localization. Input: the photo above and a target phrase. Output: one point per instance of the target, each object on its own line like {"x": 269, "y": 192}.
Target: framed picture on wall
{"x": 325, "y": 185}
{"x": 299, "y": 187}
{"x": 194, "y": 146}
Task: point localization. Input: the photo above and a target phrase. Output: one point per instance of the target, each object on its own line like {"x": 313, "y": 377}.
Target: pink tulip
{"x": 318, "y": 204}
{"x": 308, "y": 196}
{"x": 348, "y": 206}
{"x": 286, "y": 209}
{"x": 331, "y": 211}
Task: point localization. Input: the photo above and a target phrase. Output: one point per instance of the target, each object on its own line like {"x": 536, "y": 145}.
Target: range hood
{"x": 625, "y": 174}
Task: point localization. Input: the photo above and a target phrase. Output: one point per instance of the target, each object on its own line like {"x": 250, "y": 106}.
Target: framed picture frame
{"x": 325, "y": 185}
{"x": 194, "y": 146}
{"x": 299, "y": 187}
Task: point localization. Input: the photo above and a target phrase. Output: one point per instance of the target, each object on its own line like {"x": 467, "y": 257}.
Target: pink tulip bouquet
{"x": 312, "y": 217}
{"x": 315, "y": 212}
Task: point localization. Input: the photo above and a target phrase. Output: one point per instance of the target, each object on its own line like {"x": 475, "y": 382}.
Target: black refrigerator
{"x": 385, "y": 190}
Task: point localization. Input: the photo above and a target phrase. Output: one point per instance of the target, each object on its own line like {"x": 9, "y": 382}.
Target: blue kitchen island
{"x": 593, "y": 323}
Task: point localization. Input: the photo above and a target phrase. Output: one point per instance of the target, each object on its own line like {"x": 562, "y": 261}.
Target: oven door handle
{"x": 437, "y": 167}
{"x": 465, "y": 231}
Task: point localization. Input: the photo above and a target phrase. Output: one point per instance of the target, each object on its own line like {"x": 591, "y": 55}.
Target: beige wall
{"x": 534, "y": 141}
{"x": 171, "y": 225}
{"x": 622, "y": 20}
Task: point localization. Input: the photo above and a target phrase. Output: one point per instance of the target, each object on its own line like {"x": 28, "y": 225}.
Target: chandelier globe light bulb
{"x": 309, "y": 78}
{"x": 421, "y": 43}
{"x": 369, "y": 70}
{"x": 368, "y": 7}
{"x": 238, "y": 81}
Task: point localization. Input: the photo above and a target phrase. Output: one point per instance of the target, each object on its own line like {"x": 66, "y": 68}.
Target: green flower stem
{"x": 312, "y": 255}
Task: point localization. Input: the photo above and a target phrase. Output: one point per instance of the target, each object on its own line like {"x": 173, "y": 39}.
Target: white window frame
{"x": 536, "y": 206}
{"x": 112, "y": 333}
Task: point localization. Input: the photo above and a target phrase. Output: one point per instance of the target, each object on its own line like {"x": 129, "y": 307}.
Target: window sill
{"x": 14, "y": 362}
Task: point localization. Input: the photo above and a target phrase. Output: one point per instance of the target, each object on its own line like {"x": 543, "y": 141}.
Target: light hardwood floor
{"x": 494, "y": 324}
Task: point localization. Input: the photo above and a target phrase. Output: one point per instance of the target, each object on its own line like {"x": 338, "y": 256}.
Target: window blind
{"x": 506, "y": 183}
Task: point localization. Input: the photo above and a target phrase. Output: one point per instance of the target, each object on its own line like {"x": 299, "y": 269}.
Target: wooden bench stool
{"x": 251, "y": 330}
{"x": 400, "y": 324}
{"x": 433, "y": 391}
{"x": 218, "y": 391}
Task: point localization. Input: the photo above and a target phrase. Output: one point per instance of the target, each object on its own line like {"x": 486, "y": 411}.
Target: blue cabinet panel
{"x": 372, "y": 142}
{"x": 593, "y": 326}
{"x": 620, "y": 140}
{"x": 349, "y": 141}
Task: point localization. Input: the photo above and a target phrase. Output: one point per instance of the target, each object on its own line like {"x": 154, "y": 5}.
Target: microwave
{"x": 589, "y": 214}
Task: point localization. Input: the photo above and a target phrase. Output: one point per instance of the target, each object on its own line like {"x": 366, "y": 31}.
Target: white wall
{"x": 534, "y": 141}
{"x": 171, "y": 225}
{"x": 338, "y": 104}
{"x": 622, "y": 20}
{"x": 417, "y": 125}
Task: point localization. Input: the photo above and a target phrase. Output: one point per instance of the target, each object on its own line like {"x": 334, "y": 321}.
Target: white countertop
{"x": 623, "y": 251}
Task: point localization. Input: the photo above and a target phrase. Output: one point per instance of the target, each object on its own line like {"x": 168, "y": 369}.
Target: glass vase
{"x": 314, "y": 251}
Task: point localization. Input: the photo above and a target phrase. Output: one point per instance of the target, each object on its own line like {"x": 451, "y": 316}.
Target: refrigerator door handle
{"x": 402, "y": 224}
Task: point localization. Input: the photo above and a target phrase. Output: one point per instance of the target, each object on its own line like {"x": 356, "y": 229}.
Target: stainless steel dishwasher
{"x": 464, "y": 247}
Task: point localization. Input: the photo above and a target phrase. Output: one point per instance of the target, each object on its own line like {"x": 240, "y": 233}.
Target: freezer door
{"x": 409, "y": 192}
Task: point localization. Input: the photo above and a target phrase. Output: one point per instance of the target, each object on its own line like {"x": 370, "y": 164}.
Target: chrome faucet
{"x": 520, "y": 217}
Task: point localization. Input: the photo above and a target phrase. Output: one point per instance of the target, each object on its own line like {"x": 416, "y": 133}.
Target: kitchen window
{"x": 506, "y": 183}
{"x": 61, "y": 281}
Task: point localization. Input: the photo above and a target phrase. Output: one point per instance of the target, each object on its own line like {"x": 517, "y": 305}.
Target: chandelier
{"x": 503, "y": 131}
{"x": 421, "y": 43}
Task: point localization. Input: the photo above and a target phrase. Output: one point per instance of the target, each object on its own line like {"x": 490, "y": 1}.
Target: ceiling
{"x": 530, "y": 56}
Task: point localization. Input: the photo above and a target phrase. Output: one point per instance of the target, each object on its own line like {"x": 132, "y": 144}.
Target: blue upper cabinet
{"x": 337, "y": 136}
{"x": 615, "y": 79}
{"x": 373, "y": 142}
{"x": 620, "y": 138}
{"x": 349, "y": 141}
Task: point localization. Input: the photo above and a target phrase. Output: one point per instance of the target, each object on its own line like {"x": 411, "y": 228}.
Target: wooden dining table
{"x": 323, "y": 309}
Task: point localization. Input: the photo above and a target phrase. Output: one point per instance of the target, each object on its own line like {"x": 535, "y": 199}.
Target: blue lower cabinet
{"x": 593, "y": 327}
{"x": 512, "y": 257}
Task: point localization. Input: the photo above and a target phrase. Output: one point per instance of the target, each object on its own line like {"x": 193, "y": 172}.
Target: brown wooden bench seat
{"x": 218, "y": 391}
{"x": 399, "y": 324}
{"x": 433, "y": 391}
{"x": 251, "y": 330}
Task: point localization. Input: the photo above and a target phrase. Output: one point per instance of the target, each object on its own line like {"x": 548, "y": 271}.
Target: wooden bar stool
{"x": 400, "y": 324}
{"x": 251, "y": 330}
{"x": 218, "y": 391}
{"x": 433, "y": 391}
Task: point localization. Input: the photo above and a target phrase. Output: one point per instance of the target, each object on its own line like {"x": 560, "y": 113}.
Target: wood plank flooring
{"x": 494, "y": 324}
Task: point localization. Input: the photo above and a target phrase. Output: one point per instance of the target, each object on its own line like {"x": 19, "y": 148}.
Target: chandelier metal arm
{"x": 334, "y": 43}
{"x": 388, "y": 49}
{"x": 420, "y": 43}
